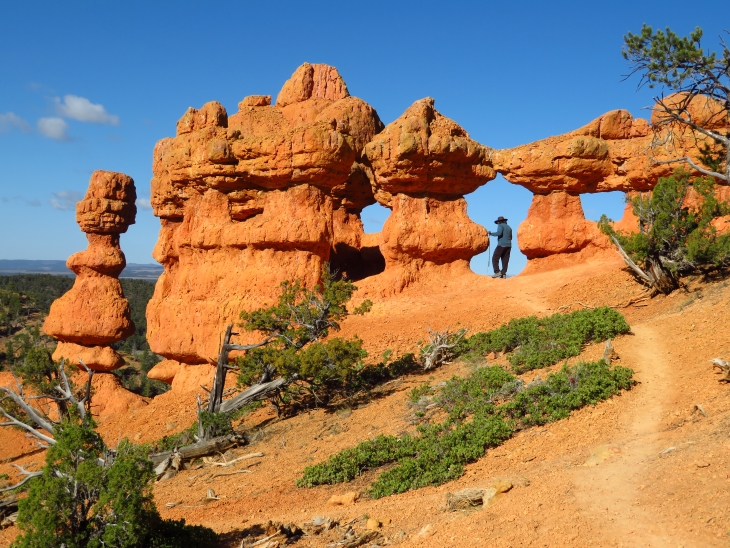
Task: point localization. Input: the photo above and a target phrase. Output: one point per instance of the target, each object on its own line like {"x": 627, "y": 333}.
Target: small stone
{"x": 372, "y": 524}
{"x": 489, "y": 496}
{"x": 502, "y": 485}
{"x": 344, "y": 500}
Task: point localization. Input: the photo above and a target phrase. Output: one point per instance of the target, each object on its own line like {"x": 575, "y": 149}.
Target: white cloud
{"x": 83, "y": 110}
{"x": 65, "y": 199}
{"x": 143, "y": 203}
{"x": 54, "y": 128}
{"x": 9, "y": 121}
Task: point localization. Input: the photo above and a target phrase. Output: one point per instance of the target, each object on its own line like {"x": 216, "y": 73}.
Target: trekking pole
{"x": 489, "y": 244}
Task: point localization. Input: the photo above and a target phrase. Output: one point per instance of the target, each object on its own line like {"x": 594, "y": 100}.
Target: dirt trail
{"x": 609, "y": 491}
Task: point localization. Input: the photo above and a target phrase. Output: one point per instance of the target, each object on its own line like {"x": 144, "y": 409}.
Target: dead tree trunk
{"x": 663, "y": 280}
{"x": 258, "y": 391}
{"x": 200, "y": 449}
{"x": 253, "y": 393}
{"x": 439, "y": 348}
{"x": 656, "y": 276}
{"x": 222, "y": 367}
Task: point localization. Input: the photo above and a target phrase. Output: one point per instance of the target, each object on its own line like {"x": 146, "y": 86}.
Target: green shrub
{"x": 81, "y": 500}
{"x": 673, "y": 239}
{"x": 539, "y": 342}
{"x": 477, "y": 393}
{"x": 438, "y": 453}
{"x": 569, "y": 389}
{"x": 418, "y": 392}
{"x": 296, "y": 345}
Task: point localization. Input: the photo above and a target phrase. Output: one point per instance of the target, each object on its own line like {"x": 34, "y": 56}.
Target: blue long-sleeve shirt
{"x": 503, "y": 234}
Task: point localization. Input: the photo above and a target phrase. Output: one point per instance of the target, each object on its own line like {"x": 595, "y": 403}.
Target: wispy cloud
{"x": 20, "y": 199}
{"x": 143, "y": 203}
{"x": 10, "y": 121}
{"x": 54, "y": 128}
{"x": 38, "y": 87}
{"x": 83, "y": 110}
{"x": 65, "y": 199}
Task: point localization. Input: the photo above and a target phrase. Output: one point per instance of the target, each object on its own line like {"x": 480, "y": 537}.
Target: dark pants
{"x": 501, "y": 253}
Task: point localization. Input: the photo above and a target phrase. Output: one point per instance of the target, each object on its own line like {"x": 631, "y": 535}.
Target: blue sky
{"x": 94, "y": 85}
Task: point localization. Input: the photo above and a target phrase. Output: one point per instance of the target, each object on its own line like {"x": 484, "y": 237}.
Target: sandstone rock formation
{"x": 556, "y": 224}
{"x": 94, "y": 312}
{"x": 423, "y": 163}
{"x": 248, "y": 201}
{"x": 613, "y": 152}
{"x": 276, "y": 190}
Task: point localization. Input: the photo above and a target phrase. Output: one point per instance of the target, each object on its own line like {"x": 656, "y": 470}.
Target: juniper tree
{"x": 678, "y": 65}
{"x": 674, "y": 238}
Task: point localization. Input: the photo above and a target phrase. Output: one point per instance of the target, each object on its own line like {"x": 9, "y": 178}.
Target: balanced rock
{"x": 613, "y": 152}
{"x": 94, "y": 312}
{"x": 422, "y": 164}
{"x": 246, "y": 201}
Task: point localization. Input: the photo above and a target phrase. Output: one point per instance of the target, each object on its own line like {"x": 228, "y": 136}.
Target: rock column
{"x": 423, "y": 164}
{"x": 95, "y": 313}
{"x": 247, "y": 201}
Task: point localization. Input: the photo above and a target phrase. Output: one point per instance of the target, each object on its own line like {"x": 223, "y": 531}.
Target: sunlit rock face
{"x": 246, "y": 201}
{"x": 422, "y": 164}
{"x": 275, "y": 191}
{"x": 94, "y": 313}
{"x": 613, "y": 152}
{"x": 556, "y": 224}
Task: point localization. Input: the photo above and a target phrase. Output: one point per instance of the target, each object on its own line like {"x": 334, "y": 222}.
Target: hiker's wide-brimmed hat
{"x": 500, "y": 219}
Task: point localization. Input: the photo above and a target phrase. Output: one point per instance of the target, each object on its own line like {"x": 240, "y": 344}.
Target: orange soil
{"x": 599, "y": 478}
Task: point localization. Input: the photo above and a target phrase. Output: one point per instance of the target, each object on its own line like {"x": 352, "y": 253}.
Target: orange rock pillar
{"x": 94, "y": 312}
{"x": 248, "y": 201}
{"x": 555, "y": 224}
{"x": 423, "y": 163}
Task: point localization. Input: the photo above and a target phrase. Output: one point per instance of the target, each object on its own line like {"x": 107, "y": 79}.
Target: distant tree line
{"x": 25, "y": 299}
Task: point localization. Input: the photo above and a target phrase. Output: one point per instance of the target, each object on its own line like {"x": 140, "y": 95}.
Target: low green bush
{"x": 534, "y": 342}
{"x": 476, "y": 421}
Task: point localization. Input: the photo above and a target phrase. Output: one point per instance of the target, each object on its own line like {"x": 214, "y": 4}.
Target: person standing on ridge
{"x": 504, "y": 247}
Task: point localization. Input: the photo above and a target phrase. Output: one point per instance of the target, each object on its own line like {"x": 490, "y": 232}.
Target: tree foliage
{"x": 297, "y": 343}
{"x": 86, "y": 494}
{"x": 675, "y": 237}
{"x": 89, "y": 496}
{"x": 678, "y": 64}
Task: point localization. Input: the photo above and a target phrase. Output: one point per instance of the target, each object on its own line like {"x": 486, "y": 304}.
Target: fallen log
{"x": 200, "y": 449}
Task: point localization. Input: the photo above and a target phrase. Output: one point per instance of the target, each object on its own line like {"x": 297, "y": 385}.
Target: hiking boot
{"x": 496, "y": 275}
{"x": 503, "y": 276}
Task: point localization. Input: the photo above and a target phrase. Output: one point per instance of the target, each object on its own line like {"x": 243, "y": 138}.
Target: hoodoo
{"x": 94, "y": 313}
{"x": 268, "y": 194}
{"x": 423, "y": 163}
{"x": 613, "y": 152}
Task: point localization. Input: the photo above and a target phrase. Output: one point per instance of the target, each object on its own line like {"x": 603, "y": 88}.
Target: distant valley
{"x": 132, "y": 270}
